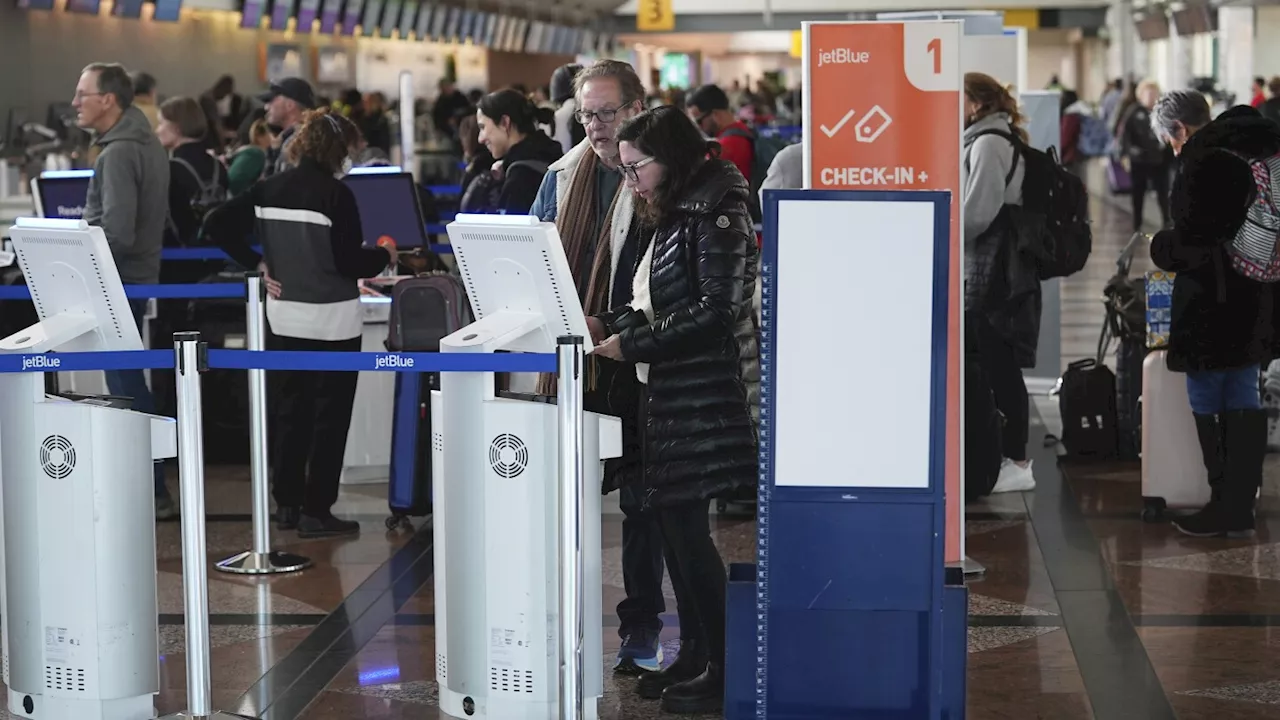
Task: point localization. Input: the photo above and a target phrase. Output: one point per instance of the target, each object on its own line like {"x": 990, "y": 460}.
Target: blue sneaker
{"x": 641, "y": 652}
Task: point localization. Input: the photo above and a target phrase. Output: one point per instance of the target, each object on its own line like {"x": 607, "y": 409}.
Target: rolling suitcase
{"x": 1173, "y": 473}
{"x": 424, "y": 310}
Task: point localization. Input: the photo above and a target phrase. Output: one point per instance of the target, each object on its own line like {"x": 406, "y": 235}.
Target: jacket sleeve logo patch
{"x": 722, "y": 222}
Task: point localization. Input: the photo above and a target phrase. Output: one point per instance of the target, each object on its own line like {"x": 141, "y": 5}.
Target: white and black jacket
{"x": 309, "y": 227}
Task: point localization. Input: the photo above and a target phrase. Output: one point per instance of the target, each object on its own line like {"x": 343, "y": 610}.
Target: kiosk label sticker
{"x": 885, "y": 99}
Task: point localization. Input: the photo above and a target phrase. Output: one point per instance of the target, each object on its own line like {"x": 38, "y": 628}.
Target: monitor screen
{"x": 86, "y": 7}
{"x": 1195, "y": 20}
{"x": 388, "y": 203}
{"x": 35, "y": 4}
{"x": 127, "y": 8}
{"x": 1153, "y": 26}
{"x": 491, "y": 31}
{"x": 351, "y": 17}
{"x": 451, "y": 28}
{"x": 408, "y": 18}
{"x": 423, "y": 29}
{"x": 168, "y": 10}
{"x": 62, "y": 194}
{"x": 390, "y": 17}
{"x": 519, "y": 41}
{"x": 439, "y": 17}
{"x": 251, "y": 14}
{"x": 330, "y": 15}
{"x": 372, "y": 13}
{"x": 307, "y": 11}
{"x": 281, "y": 11}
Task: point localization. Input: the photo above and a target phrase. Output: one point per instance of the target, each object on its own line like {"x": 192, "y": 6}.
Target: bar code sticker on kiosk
{"x": 1159, "y": 308}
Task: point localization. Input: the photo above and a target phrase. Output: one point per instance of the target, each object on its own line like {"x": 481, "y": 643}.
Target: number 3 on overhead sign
{"x": 655, "y": 15}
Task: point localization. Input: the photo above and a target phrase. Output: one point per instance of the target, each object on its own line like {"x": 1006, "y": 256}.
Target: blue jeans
{"x": 1218, "y": 391}
{"x": 133, "y": 384}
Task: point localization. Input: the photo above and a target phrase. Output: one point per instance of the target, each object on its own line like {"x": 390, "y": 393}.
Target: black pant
{"x": 1143, "y": 177}
{"x": 641, "y": 565}
{"x": 311, "y": 414}
{"x": 697, "y": 574}
{"x": 1010, "y": 392}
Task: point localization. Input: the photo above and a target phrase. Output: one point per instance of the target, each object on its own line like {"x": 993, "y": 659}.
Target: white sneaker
{"x": 1014, "y": 478}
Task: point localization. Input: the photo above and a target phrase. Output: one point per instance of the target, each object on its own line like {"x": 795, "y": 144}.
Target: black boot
{"x": 703, "y": 694}
{"x": 1244, "y": 439}
{"x": 1209, "y": 430}
{"x": 690, "y": 662}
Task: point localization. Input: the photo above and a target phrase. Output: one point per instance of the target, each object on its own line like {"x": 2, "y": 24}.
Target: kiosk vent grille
{"x": 511, "y": 680}
{"x": 442, "y": 669}
{"x": 65, "y": 679}
{"x": 508, "y": 456}
{"x": 57, "y": 457}
{"x": 437, "y": 441}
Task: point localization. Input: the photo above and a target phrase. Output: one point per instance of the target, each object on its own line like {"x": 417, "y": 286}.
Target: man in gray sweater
{"x": 129, "y": 199}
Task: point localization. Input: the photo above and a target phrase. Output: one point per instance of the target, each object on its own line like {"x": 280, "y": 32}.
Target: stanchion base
{"x": 972, "y": 567}
{"x": 252, "y": 563}
{"x": 215, "y": 715}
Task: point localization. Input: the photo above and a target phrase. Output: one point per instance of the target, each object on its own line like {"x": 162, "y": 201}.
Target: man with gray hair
{"x": 1221, "y": 325}
{"x": 129, "y": 199}
{"x": 582, "y": 194}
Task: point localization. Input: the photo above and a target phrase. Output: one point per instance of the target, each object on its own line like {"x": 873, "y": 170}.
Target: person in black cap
{"x": 286, "y": 101}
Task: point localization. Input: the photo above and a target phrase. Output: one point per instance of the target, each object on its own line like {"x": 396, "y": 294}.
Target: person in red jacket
{"x": 708, "y": 107}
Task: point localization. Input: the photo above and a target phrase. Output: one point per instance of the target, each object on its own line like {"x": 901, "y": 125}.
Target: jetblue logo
{"x": 41, "y": 362}
{"x": 387, "y": 362}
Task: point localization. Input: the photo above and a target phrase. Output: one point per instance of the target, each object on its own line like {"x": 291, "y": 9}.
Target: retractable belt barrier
{"x": 185, "y": 291}
{"x": 296, "y": 360}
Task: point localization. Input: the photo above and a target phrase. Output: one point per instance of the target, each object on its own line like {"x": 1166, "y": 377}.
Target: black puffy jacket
{"x": 699, "y": 435}
{"x": 1220, "y": 320}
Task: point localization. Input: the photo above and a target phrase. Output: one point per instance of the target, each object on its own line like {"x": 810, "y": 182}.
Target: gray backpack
{"x": 425, "y": 309}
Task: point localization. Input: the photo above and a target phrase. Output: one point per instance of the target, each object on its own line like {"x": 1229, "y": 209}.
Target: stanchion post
{"x": 259, "y": 560}
{"x": 572, "y": 524}
{"x": 190, "y": 361}
{"x": 408, "y": 127}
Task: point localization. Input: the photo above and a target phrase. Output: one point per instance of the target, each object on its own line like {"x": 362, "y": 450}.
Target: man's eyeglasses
{"x": 606, "y": 116}
{"x": 630, "y": 172}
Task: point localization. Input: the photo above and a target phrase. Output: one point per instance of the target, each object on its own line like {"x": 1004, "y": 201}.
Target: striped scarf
{"x": 591, "y": 272}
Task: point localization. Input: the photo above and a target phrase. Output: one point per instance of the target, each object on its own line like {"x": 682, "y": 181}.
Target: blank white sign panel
{"x": 853, "y": 322}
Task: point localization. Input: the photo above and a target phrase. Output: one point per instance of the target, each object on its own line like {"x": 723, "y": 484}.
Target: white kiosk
{"x": 496, "y": 482}
{"x": 80, "y": 617}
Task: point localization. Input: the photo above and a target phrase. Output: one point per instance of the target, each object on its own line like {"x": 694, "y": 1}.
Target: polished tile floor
{"x": 1083, "y": 612}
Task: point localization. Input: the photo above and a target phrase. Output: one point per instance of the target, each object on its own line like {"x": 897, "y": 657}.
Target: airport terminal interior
{"x": 1082, "y": 601}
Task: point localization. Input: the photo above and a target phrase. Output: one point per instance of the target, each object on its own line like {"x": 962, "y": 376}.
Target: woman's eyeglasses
{"x": 630, "y": 172}
{"x": 606, "y": 116}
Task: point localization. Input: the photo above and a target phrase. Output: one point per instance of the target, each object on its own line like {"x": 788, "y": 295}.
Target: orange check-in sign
{"x": 883, "y": 113}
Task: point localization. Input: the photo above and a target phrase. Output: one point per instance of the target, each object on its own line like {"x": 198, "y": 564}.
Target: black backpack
{"x": 1055, "y": 210}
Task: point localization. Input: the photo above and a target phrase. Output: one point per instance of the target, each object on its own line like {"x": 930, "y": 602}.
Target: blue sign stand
{"x": 849, "y": 582}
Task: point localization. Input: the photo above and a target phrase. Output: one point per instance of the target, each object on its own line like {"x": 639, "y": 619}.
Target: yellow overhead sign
{"x": 655, "y": 16}
{"x": 1023, "y": 18}
{"x": 797, "y": 43}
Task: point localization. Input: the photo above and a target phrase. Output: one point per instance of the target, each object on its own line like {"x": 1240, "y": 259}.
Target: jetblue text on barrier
{"x": 40, "y": 362}
{"x": 390, "y": 361}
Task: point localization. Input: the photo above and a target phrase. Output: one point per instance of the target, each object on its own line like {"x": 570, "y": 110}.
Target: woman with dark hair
{"x": 314, "y": 255}
{"x": 1002, "y": 289}
{"x": 508, "y": 128}
{"x": 689, "y": 329}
